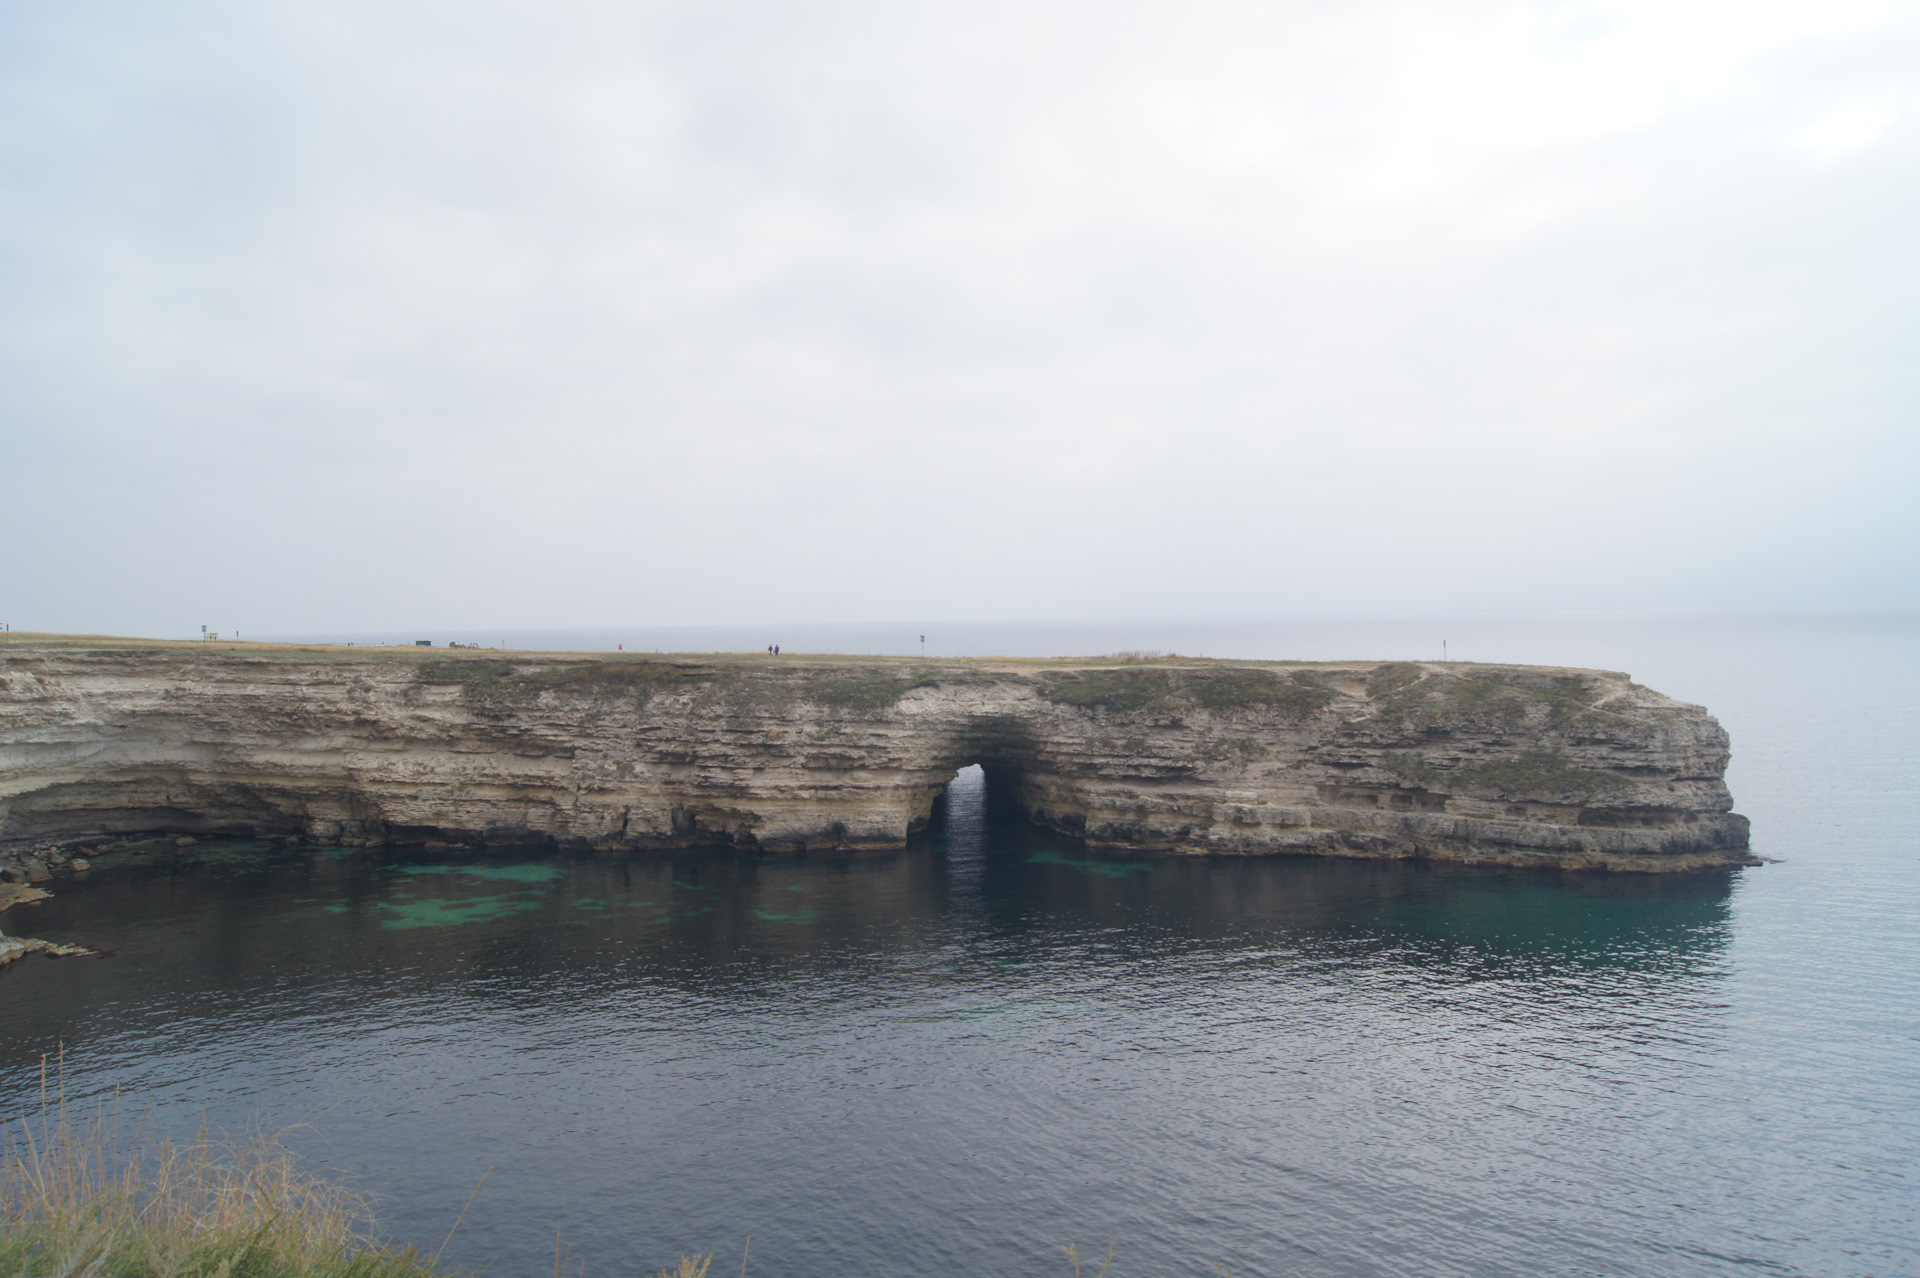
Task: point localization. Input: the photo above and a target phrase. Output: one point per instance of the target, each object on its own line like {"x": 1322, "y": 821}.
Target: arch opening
{"x": 962, "y": 812}
{"x": 980, "y": 798}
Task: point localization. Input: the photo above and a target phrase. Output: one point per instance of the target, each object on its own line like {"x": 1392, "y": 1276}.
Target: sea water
{"x": 963, "y": 1057}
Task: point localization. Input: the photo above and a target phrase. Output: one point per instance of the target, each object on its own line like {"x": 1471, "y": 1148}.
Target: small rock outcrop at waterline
{"x": 1514, "y": 765}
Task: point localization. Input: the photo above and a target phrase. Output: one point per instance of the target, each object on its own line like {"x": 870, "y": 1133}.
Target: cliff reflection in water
{"x": 971, "y": 1051}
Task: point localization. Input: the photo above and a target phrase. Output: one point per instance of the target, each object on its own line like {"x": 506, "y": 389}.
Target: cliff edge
{"x": 1516, "y": 765}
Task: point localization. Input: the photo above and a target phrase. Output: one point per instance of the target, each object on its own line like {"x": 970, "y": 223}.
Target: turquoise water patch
{"x": 1112, "y": 869}
{"x": 805, "y": 916}
{"x": 448, "y": 912}
{"x": 691, "y": 887}
{"x": 230, "y": 856}
{"x": 531, "y": 872}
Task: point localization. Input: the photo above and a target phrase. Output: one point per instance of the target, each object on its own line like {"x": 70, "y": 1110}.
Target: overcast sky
{"x": 336, "y": 316}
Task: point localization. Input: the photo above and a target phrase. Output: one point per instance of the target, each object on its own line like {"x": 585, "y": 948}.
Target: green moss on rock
{"x": 1537, "y": 775}
{"x": 1130, "y": 690}
{"x": 1395, "y": 676}
{"x": 1118, "y": 691}
{"x": 1411, "y": 767}
{"x": 1296, "y": 693}
{"x": 1505, "y": 697}
{"x": 860, "y": 691}
{"x": 505, "y": 682}
{"x": 747, "y": 691}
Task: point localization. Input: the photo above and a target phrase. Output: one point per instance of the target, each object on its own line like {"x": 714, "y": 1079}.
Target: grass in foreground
{"x": 97, "y": 1197}
{"x": 91, "y": 1198}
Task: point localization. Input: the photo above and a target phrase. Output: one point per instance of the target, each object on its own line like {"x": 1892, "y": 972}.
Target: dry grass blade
{"x": 463, "y": 1215}
{"x": 689, "y": 1268}
{"x": 1073, "y": 1255}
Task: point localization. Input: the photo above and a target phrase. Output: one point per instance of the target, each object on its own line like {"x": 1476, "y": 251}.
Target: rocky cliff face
{"x": 1508, "y": 764}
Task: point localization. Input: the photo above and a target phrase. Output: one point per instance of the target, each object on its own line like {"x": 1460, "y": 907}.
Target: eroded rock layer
{"x": 1507, "y": 764}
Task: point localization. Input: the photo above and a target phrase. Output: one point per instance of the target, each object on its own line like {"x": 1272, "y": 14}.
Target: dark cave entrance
{"x": 961, "y": 813}
{"x": 978, "y": 807}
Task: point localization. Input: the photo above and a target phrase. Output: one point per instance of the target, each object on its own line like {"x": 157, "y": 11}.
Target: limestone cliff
{"x": 1508, "y": 764}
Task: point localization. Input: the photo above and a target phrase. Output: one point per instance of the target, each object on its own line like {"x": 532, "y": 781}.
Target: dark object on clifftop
{"x": 1514, "y": 765}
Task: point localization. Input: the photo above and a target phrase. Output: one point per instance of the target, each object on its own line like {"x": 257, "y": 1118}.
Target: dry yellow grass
{"x": 97, "y": 1196}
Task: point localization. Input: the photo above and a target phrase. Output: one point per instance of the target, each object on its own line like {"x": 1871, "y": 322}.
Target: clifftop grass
{"x": 1423, "y": 693}
{"x": 1418, "y": 692}
{"x": 860, "y": 690}
{"x": 511, "y": 683}
{"x": 1133, "y": 688}
{"x": 1502, "y": 695}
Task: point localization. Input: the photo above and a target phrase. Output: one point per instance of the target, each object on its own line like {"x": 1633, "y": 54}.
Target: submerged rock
{"x": 12, "y": 894}
{"x": 18, "y": 947}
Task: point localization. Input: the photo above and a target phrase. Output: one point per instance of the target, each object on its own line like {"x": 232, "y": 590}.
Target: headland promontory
{"x": 1513, "y": 765}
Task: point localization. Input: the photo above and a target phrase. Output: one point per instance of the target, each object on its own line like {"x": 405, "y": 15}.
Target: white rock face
{"x": 1508, "y": 764}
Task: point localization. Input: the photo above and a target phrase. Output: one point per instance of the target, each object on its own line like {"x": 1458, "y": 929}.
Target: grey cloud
{"x": 352, "y": 316}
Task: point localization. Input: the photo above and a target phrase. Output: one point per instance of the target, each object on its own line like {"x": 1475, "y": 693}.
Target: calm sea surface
{"x": 958, "y": 1059}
